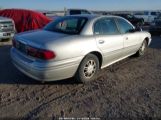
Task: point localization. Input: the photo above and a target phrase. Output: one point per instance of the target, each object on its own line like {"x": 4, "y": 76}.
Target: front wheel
{"x": 88, "y": 69}
{"x": 142, "y": 49}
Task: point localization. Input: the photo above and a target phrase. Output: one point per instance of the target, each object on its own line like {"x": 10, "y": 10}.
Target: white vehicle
{"x": 77, "y": 12}
{"x": 147, "y": 16}
{"x": 7, "y": 28}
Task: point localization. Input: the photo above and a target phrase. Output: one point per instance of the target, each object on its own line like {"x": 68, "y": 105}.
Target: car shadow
{"x": 9, "y": 74}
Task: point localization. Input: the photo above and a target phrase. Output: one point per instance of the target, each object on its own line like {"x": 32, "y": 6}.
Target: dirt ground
{"x": 130, "y": 89}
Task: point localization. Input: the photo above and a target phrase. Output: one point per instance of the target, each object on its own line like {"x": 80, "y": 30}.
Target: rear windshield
{"x": 67, "y": 25}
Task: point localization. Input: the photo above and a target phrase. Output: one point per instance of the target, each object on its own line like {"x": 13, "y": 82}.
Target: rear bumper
{"x": 6, "y": 35}
{"x": 65, "y": 69}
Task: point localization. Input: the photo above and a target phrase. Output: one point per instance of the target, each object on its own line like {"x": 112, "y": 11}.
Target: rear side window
{"x": 106, "y": 26}
{"x": 124, "y": 26}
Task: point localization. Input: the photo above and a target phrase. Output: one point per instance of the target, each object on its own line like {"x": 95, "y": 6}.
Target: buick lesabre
{"x": 77, "y": 46}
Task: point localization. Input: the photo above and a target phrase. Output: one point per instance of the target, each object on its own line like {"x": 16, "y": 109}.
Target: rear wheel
{"x": 87, "y": 69}
{"x": 142, "y": 49}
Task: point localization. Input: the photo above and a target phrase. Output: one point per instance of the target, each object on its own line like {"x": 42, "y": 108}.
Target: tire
{"x": 87, "y": 69}
{"x": 142, "y": 49}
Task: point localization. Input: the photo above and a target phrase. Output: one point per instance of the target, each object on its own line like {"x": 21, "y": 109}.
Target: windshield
{"x": 67, "y": 25}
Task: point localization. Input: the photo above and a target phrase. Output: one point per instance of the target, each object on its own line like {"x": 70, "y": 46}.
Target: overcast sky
{"x": 87, "y": 4}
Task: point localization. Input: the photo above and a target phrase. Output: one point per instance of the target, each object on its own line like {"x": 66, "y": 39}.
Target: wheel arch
{"x": 147, "y": 40}
{"x": 95, "y": 54}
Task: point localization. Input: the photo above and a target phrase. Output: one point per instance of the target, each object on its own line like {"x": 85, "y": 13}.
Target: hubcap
{"x": 89, "y": 69}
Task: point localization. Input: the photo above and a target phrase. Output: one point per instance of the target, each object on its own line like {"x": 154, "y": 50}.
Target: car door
{"x": 108, "y": 39}
{"x": 130, "y": 39}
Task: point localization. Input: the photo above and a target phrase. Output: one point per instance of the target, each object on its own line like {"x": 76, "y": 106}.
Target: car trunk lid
{"x": 35, "y": 39}
{"x": 39, "y": 38}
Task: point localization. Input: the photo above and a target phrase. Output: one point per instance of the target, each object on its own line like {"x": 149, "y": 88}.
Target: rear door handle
{"x": 126, "y": 38}
{"x": 101, "y": 41}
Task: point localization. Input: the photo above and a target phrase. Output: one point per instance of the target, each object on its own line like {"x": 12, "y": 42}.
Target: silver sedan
{"x": 77, "y": 46}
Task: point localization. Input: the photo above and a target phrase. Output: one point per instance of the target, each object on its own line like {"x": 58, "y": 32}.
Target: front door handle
{"x": 101, "y": 41}
{"x": 126, "y": 38}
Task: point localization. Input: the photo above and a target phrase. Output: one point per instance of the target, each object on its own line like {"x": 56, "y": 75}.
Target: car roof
{"x": 95, "y": 16}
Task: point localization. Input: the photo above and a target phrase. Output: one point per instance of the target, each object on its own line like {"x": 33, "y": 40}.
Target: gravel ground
{"x": 130, "y": 89}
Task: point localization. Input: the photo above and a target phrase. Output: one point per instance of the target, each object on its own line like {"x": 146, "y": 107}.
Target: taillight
{"x": 40, "y": 53}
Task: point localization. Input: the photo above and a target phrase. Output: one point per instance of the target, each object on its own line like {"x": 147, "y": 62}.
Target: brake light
{"x": 40, "y": 53}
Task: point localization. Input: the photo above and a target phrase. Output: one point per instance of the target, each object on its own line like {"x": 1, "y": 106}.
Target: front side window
{"x": 68, "y": 25}
{"x": 124, "y": 26}
{"x": 106, "y": 26}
